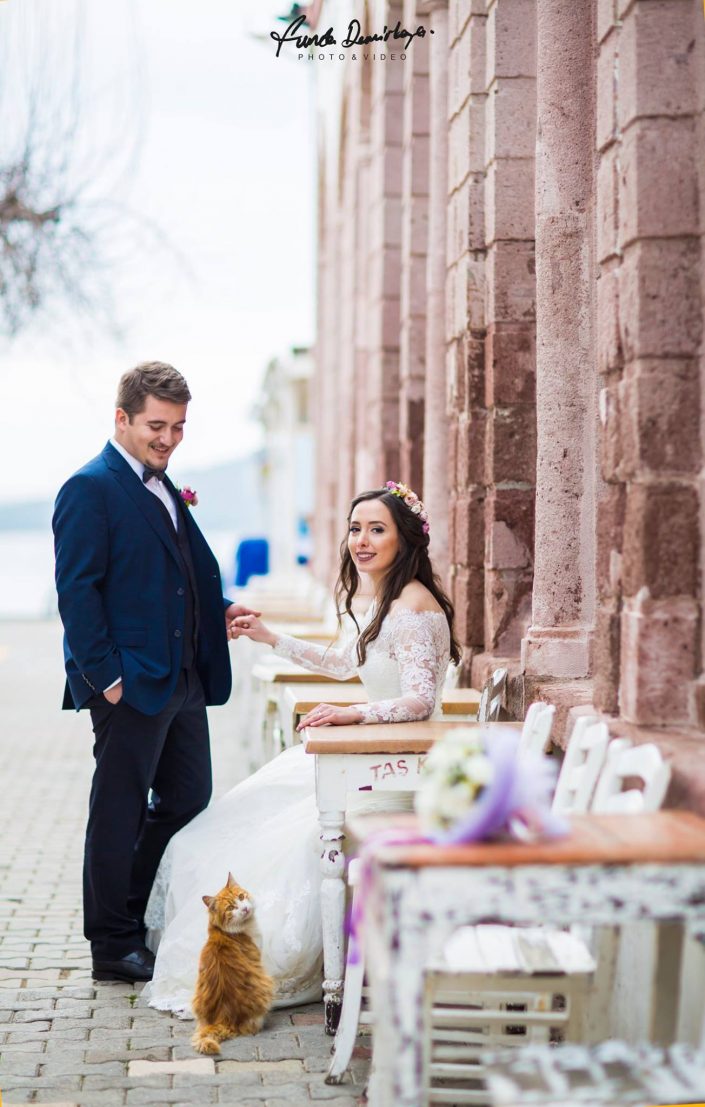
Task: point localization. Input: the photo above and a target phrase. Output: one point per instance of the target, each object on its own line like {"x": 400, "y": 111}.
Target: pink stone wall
{"x": 515, "y": 326}
{"x": 650, "y": 316}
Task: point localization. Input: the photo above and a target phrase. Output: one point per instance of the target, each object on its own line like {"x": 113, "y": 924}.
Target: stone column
{"x": 651, "y": 422}
{"x": 435, "y": 446}
{"x": 414, "y": 242}
{"x": 465, "y": 317}
{"x": 384, "y": 258}
{"x": 558, "y": 644}
{"x": 510, "y": 316}
{"x": 324, "y": 383}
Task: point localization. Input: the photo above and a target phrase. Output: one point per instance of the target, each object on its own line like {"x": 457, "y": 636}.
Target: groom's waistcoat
{"x": 191, "y": 612}
{"x": 139, "y": 599}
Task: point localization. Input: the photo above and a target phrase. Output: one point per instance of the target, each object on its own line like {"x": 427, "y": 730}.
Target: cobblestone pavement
{"x": 64, "y": 1040}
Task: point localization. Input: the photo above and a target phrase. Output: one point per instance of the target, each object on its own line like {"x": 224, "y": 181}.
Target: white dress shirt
{"x": 156, "y": 486}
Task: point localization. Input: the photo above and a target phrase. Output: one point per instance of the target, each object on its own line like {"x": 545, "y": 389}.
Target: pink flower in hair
{"x": 411, "y": 500}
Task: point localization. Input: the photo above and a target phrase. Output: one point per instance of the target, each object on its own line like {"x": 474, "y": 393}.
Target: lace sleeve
{"x": 421, "y": 653}
{"x": 340, "y": 663}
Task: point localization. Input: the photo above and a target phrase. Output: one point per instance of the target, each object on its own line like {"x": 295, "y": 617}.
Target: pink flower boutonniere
{"x": 188, "y": 496}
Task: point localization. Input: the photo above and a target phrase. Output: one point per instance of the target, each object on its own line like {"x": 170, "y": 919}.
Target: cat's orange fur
{"x": 233, "y": 992}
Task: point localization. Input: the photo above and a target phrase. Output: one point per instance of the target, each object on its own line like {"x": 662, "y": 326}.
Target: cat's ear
{"x": 232, "y": 883}
{"x": 208, "y": 900}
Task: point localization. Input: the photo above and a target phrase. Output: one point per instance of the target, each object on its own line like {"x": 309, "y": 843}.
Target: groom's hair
{"x": 150, "y": 378}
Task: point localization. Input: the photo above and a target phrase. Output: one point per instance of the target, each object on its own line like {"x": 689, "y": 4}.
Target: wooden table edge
{"x": 375, "y": 738}
{"x": 670, "y": 837}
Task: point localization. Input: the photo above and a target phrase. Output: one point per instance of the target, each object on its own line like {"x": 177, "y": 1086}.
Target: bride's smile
{"x": 373, "y": 538}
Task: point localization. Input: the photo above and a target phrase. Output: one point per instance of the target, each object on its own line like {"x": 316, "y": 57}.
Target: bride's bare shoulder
{"x": 415, "y": 596}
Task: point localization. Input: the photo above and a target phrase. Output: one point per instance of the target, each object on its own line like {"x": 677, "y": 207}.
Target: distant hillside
{"x": 229, "y": 498}
{"x": 30, "y": 515}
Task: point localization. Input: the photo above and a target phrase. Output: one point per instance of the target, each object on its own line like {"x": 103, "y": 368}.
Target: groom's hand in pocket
{"x": 114, "y": 695}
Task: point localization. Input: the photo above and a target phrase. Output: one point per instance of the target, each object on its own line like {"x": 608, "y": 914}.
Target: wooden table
{"x": 296, "y": 700}
{"x": 321, "y": 632}
{"x": 381, "y": 757}
{"x": 267, "y": 678}
{"x": 281, "y": 671}
{"x": 609, "y": 870}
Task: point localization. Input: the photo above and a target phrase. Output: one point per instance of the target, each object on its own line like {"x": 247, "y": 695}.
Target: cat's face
{"x": 231, "y": 908}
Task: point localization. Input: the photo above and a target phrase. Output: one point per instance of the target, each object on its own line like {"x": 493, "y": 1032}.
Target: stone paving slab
{"x": 66, "y": 1041}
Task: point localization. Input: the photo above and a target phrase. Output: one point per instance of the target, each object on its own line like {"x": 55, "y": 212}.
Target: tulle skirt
{"x": 265, "y": 832}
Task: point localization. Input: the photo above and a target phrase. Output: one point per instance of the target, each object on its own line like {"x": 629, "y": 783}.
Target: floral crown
{"x": 411, "y": 500}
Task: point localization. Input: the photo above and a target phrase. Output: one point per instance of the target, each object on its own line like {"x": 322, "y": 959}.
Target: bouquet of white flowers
{"x": 475, "y": 786}
{"x": 454, "y": 775}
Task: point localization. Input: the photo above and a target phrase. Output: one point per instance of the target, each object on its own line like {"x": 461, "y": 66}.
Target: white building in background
{"x": 283, "y": 409}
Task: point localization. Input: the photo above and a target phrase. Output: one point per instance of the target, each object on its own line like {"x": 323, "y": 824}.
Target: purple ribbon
{"x": 516, "y": 803}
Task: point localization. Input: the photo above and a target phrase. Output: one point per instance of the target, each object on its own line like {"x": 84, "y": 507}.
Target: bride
{"x": 265, "y": 830}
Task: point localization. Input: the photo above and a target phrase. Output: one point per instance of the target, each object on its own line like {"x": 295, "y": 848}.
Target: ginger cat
{"x": 233, "y": 992}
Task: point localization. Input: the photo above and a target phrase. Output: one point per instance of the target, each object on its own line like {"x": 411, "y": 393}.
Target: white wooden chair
{"x": 612, "y": 1072}
{"x": 627, "y": 763}
{"x": 536, "y": 731}
{"x": 493, "y": 697}
{"x": 583, "y": 760}
{"x": 469, "y": 1011}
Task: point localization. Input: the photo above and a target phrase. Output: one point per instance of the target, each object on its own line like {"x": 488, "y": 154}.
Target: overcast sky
{"x": 226, "y": 169}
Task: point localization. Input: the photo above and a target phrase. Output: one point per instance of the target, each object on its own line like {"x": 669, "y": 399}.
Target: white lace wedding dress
{"x": 265, "y": 830}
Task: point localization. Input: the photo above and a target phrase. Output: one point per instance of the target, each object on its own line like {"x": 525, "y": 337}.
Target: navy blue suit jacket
{"x": 121, "y": 590}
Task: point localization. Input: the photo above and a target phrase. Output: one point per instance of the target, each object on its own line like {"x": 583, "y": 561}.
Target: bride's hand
{"x": 328, "y": 715}
{"x": 251, "y": 626}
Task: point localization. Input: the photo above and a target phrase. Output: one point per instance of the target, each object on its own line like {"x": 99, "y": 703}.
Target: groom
{"x": 146, "y": 649}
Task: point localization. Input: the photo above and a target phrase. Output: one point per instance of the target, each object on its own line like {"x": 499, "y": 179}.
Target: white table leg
{"x": 331, "y": 793}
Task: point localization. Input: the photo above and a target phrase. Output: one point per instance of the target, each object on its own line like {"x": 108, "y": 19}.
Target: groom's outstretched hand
{"x": 234, "y": 612}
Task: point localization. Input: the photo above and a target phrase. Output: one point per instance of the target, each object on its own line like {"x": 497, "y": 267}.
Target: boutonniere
{"x": 188, "y": 496}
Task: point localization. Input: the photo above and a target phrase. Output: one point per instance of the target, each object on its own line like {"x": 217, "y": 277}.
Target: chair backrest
{"x": 492, "y": 698}
{"x": 536, "y": 731}
{"x": 584, "y": 757}
{"x": 622, "y": 764}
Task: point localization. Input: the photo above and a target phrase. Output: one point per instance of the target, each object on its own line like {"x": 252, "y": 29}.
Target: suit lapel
{"x": 142, "y": 498}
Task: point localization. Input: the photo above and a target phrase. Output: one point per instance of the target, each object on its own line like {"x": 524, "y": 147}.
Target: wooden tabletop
{"x": 385, "y": 737}
{"x": 662, "y": 836}
{"x": 282, "y": 671}
{"x": 300, "y": 698}
{"x": 311, "y": 632}
{"x": 460, "y": 701}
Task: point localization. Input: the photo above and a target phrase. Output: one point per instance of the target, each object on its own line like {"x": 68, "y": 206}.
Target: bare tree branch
{"x": 62, "y": 233}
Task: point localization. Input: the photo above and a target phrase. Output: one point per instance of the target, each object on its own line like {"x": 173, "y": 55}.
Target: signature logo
{"x": 353, "y": 39}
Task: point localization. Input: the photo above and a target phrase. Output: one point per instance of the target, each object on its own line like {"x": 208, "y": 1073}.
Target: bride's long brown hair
{"x": 411, "y": 563}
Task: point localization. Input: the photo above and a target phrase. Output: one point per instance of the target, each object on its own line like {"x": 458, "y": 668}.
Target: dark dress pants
{"x": 168, "y": 753}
